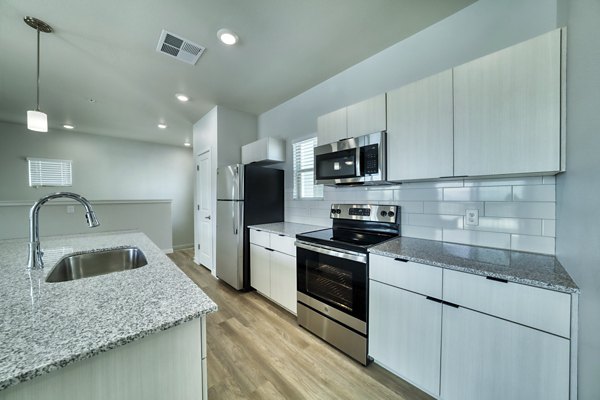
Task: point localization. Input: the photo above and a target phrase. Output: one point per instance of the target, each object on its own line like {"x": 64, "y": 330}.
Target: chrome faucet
{"x": 35, "y": 252}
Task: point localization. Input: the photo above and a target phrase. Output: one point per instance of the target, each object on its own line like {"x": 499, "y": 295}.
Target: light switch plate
{"x": 472, "y": 217}
{"x": 70, "y": 209}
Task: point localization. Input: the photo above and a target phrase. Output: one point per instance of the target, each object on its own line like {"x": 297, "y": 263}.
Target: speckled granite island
{"x": 135, "y": 334}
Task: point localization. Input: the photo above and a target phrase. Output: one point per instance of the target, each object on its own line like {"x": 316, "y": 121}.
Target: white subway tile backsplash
{"x": 359, "y": 195}
{"x": 421, "y": 232}
{"x": 521, "y": 210}
{"x": 411, "y": 207}
{"x": 477, "y": 238}
{"x": 549, "y": 227}
{"x": 535, "y": 244}
{"x": 433, "y": 184}
{"x": 418, "y": 194}
{"x": 437, "y": 221}
{"x": 529, "y": 180}
{"x": 534, "y": 193}
{"x": 452, "y": 208}
{"x": 549, "y": 180}
{"x": 517, "y": 213}
{"x": 508, "y": 225}
{"x": 478, "y": 193}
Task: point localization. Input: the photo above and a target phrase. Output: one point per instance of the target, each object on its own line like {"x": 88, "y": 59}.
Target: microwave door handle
{"x": 357, "y": 169}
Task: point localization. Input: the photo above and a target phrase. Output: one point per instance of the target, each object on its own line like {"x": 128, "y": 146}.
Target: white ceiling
{"x": 105, "y": 50}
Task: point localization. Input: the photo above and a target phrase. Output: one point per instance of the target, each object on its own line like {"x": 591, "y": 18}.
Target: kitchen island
{"x": 135, "y": 334}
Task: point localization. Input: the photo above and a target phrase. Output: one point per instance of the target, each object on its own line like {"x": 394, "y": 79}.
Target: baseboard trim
{"x": 184, "y": 246}
{"x": 167, "y": 251}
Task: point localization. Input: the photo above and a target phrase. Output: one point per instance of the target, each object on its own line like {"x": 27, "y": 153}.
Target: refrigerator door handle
{"x": 233, "y": 217}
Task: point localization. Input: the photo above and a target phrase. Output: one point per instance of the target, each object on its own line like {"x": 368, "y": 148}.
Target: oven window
{"x": 341, "y": 164}
{"x": 338, "y": 282}
{"x": 329, "y": 282}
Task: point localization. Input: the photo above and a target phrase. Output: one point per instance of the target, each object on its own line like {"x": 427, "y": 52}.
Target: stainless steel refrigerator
{"x": 246, "y": 195}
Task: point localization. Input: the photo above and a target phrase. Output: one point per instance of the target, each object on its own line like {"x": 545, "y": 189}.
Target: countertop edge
{"x": 511, "y": 278}
{"x": 309, "y": 228}
{"x": 56, "y": 365}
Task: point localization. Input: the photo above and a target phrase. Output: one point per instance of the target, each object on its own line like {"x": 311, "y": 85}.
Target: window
{"x": 44, "y": 172}
{"x": 304, "y": 166}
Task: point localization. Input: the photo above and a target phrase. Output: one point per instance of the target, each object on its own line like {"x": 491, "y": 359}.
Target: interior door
{"x": 204, "y": 214}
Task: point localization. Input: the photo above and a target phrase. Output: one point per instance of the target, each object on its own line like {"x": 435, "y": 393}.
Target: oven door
{"x": 337, "y": 162}
{"x": 333, "y": 278}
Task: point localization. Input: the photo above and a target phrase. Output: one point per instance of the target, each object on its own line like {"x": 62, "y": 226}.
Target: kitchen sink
{"x": 97, "y": 262}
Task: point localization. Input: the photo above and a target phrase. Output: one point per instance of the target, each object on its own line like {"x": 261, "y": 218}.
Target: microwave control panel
{"x": 371, "y": 159}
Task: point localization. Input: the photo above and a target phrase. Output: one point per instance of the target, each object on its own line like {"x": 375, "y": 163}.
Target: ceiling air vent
{"x": 179, "y": 48}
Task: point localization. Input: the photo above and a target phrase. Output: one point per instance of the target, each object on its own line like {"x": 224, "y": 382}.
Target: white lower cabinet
{"x": 405, "y": 333}
{"x": 260, "y": 269}
{"x": 484, "y": 357}
{"x": 283, "y": 280}
{"x": 273, "y": 268}
{"x": 481, "y": 339}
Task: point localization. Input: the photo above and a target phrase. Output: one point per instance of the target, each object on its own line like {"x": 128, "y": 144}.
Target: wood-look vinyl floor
{"x": 256, "y": 350}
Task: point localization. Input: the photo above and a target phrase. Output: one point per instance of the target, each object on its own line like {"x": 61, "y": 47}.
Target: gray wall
{"x": 578, "y": 190}
{"x": 104, "y": 168}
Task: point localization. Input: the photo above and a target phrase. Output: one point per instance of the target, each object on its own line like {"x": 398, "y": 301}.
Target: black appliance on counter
{"x": 333, "y": 275}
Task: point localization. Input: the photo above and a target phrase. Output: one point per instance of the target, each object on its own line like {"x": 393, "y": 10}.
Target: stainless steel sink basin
{"x": 100, "y": 262}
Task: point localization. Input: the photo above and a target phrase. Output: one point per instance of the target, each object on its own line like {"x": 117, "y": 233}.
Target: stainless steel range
{"x": 333, "y": 276}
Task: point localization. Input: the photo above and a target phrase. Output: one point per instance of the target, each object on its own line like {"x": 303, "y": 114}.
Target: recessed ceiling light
{"x": 182, "y": 97}
{"x": 91, "y": 100}
{"x": 162, "y": 126}
{"x": 67, "y": 126}
{"x": 227, "y": 37}
{"x": 187, "y": 144}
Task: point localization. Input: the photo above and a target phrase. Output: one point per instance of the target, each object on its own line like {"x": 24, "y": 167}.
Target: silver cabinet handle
{"x": 207, "y": 217}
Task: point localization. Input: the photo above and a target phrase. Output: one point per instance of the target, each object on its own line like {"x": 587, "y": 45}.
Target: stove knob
{"x": 383, "y": 213}
{"x": 391, "y": 214}
{"x": 338, "y": 211}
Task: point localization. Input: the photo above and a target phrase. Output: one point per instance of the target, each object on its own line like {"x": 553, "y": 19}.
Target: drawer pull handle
{"x": 401, "y": 259}
{"x": 492, "y": 278}
{"x": 266, "y": 248}
{"x": 450, "y": 304}
{"x": 434, "y": 299}
{"x": 281, "y": 234}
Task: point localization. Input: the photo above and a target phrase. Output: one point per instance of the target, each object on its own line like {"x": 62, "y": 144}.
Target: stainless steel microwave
{"x": 359, "y": 160}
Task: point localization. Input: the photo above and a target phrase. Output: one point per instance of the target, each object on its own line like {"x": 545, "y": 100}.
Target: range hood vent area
{"x": 178, "y": 47}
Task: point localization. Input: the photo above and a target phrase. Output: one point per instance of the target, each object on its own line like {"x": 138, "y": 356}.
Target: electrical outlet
{"x": 70, "y": 209}
{"x": 472, "y": 217}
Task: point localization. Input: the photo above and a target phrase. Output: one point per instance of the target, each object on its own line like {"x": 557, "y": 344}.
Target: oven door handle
{"x": 348, "y": 255}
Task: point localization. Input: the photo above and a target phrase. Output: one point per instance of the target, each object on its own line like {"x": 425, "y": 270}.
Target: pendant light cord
{"x": 38, "y": 70}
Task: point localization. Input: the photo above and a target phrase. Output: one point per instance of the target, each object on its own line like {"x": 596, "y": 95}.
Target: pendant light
{"x": 37, "y": 120}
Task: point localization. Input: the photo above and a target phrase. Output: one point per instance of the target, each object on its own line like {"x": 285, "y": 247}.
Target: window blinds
{"x": 304, "y": 177}
{"x": 45, "y": 172}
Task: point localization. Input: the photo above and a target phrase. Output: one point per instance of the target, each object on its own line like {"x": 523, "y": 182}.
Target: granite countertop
{"x": 46, "y": 326}
{"x": 527, "y": 268}
{"x": 290, "y": 229}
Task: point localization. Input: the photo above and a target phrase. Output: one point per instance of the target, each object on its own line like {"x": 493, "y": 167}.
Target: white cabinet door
{"x": 366, "y": 117}
{"x": 283, "y": 280}
{"x": 405, "y": 334}
{"x": 260, "y": 269}
{"x": 420, "y": 129}
{"x": 332, "y": 127}
{"x": 484, "y": 357}
{"x": 507, "y": 110}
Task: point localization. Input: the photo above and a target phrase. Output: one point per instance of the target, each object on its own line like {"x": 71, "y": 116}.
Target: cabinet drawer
{"x": 419, "y": 278}
{"x": 283, "y": 244}
{"x": 538, "y": 308}
{"x": 260, "y": 238}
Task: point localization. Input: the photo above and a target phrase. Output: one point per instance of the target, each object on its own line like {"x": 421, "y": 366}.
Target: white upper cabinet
{"x": 367, "y": 116}
{"x": 420, "y": 129}
{"x": 507, "y": 110}
{"x": 359, "y": 119}
{"x": 332, "y": 127}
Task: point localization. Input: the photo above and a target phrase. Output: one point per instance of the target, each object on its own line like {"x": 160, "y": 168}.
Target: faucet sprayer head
{"x": 91, "y": 219}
